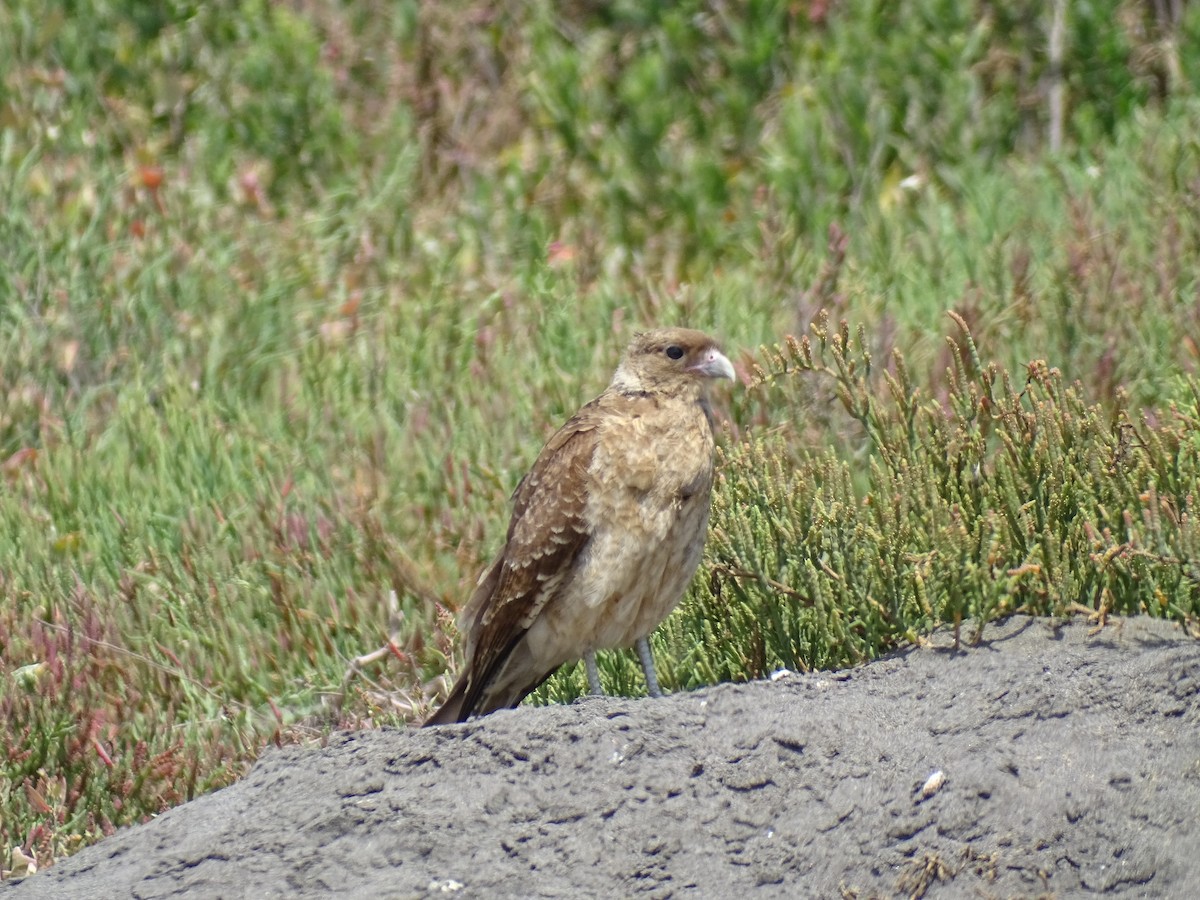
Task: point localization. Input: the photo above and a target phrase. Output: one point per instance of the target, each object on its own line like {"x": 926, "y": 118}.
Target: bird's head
{"x": 677, "y": 360}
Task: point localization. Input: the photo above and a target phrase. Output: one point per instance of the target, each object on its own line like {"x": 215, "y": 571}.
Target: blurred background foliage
{"x": 291, "y": 293}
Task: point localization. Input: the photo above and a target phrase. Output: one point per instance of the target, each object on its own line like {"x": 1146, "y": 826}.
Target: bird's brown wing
{"x": 547, "y": 531}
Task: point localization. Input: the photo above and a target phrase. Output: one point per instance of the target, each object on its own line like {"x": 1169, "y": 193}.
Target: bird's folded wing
{"x": 546, "y": 535}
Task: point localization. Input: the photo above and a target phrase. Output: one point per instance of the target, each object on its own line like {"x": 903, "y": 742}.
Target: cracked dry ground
{"x": 1070, "y": 767}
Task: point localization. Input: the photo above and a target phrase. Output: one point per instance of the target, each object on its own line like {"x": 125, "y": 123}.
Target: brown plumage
{"x": 606, "y": 531}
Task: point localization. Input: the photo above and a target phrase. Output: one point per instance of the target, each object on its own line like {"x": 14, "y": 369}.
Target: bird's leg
{"x": 643, "y": 650}
{"x": 593, "y": 673}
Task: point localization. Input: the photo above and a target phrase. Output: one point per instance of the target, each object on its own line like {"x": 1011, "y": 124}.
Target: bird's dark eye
{"x": 675, "y": 352}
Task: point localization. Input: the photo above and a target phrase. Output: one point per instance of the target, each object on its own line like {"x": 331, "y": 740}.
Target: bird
{"x": 606, "y": 532}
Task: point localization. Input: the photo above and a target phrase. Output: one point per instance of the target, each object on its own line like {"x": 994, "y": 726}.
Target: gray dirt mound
{"x": 1071, "y": 766}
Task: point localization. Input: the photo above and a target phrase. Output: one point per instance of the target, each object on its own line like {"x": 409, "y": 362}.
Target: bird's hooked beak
{"x": 714, "y": 364}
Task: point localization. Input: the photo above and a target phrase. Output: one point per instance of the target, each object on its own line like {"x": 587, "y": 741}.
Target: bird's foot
{"x": 593, "y": 673}
{"x": 643, "y": 651}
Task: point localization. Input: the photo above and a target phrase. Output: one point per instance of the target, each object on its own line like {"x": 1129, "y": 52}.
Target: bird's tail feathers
{"x": 477, "y": 694}
{"x": 453, "y": 709}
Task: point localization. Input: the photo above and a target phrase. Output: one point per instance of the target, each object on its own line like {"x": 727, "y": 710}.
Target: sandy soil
{"x": 1070, "y": 766}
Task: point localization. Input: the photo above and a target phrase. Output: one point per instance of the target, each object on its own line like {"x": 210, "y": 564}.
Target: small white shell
{"x": 933, "y": 784}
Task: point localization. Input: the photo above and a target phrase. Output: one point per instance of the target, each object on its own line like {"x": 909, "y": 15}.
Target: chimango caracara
{"x": 606, "y": 530}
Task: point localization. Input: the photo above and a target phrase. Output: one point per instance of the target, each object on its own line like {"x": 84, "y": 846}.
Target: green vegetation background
{"x": 291, "y": 293}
